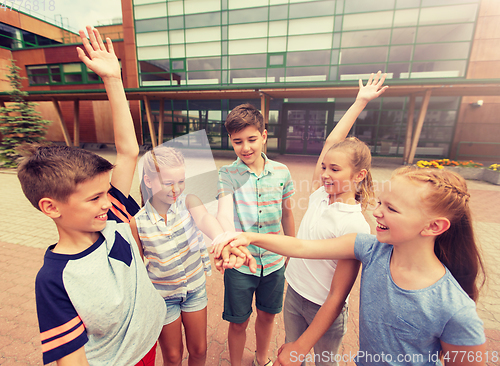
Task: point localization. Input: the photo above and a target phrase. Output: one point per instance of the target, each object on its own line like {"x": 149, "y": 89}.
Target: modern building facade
{"x": 190, "y": 62}
{"x": 266, "y": 44}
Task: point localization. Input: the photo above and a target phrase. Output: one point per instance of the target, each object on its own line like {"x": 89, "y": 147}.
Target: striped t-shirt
{"x": 257, "y": 205}
{"x": 176, "y": 251}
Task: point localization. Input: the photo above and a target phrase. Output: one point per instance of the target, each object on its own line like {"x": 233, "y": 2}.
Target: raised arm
{"x": 104, "y": 63}
{"x": 368, "y": 92}
{"x": 335, "y": 248}
{"x": 205, "y": 222}
{"x": 343, "y": 279}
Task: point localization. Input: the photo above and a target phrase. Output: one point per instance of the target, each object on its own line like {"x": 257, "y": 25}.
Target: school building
{"x": 187, "y": 63}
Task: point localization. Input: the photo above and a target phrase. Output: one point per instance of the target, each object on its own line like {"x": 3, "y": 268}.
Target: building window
{"x": 61, "y": 74}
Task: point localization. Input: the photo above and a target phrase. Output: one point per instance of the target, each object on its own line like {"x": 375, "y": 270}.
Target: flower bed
{"x": 467, "y": 169}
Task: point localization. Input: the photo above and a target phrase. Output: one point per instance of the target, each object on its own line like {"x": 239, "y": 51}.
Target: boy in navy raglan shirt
{"x": 95, "y": 302}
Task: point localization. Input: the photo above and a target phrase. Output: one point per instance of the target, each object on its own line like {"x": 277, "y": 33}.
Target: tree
{"x": 20, "y": 123}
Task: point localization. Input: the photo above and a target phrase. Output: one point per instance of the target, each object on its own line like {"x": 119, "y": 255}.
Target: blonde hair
{"x": 159, "y": 157}
{"x": 360, "y": 158}
{"x": 456, "y": 248}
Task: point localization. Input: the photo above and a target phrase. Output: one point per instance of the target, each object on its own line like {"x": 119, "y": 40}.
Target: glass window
{"x": 150, "y": 11}
{"x": 316, "y": 9}
{"x": 176, "y": 36}
{"x": 318, "y": 73}
{"x": 73, "y": 78}
{"x": 203, "y": 34}
{"x": 72, "y": 68}
{"x": 177, "y": 50}
{"x": 448, "y": 14}
{"x": 175, "y": 7}
{"x": 308, "y": 58}
{"x": 274, "y": 75}
{"x": 176, "y": 22}
{"x": 254, "y": 30}
{"x": 404, "y": 4}
{"x": 202, "y": 20}
{"x": 310, "y": 42}
{"x": 333, "y": 73}
{"x": 247, "y": 61}
{"x": 308, "y": 26}
{"x": 445, "y": 33}
{"x": 212, "y": 63}
{"x": 177, "y": 65}
{"x": 368, "y": 21}
{"x": 150, "y": 25}
{"x": 403, "y": 35}
{"x": 278, "y": 28}
{"x": 441, "y": 51}
{"x": 203, "y": 49}
{"x": 366, "y": 38}
{"x": 248, "y": 15}
{"x": 438, "y": 69}
{"x": 396, "y": 70}
{"x": 278, "y": 12}
{"x": 276, "y": 59}
{"x": 334, "y": 58}
{"x": 393, "y": 102}
{"x": 363, "y": 55}
{"x": 248, "y": 76}
{"x": 404, "y": 18}
{"x": 152, "y": 53}
{"x": 277, "y": 44}
{"x": 154, "y": 66}
{"x": 238, "y": 4}
{"x": 203, "y": 77}
{"x": 248, "y": 46}
{"x": 201, "y": 6}
{"x": 355, "y": 72}
{"x": 140, "y": 2}
{"x": 152, "y": 39}
{"x": 358, "y": 6}
{"x": 445, "y": 2}
{"x": 400, "y": 53}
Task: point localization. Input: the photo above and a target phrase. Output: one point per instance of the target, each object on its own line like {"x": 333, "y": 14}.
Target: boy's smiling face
{"x": 85, "y": 210}
{"x": 248, "y": 143}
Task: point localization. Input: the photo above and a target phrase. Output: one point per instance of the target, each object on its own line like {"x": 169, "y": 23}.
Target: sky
{"x": 76, "y": 13}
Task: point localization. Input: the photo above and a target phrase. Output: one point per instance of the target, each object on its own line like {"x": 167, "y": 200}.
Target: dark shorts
{"x": 239, "y": 289}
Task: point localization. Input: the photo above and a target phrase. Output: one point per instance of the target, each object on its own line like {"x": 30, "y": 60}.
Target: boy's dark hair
{"x": 55, "y": 171}
{"x": 243, "y": 116}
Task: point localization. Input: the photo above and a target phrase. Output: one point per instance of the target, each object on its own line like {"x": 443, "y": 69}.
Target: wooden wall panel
{"x": 485, "y": 50}
{"x": 488, "y": 28}
{"x": 489, "y": 7}
{"x": 103, "y": 122}
{"x": 5, "y": 57}
{"x": 48, "y": 112}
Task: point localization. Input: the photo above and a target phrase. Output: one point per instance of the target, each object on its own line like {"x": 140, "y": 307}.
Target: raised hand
{"x": 100, "y": 60}
{"x": 373, "y": 87}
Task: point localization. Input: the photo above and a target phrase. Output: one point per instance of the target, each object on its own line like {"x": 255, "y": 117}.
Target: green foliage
{"x": 20, "y": 123}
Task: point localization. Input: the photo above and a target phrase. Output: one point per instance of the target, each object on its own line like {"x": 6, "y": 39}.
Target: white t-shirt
{"x": 311, "y": 278}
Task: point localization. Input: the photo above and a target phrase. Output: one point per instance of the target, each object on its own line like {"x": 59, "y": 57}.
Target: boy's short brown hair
{"x": 55, "y": 171}
{"x": 243, "y": 116}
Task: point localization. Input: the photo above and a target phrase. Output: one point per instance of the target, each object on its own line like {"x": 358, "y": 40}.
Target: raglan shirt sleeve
{"x": 61, "y": 330}
{"x": 123, "y": 208}
{"x": 465, "y": 328}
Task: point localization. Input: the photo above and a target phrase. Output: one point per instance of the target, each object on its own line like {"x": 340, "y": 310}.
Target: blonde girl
{"x": 168, "y": 227}
{"x": 342, "y": 187}
{"x": 420, "y": 273}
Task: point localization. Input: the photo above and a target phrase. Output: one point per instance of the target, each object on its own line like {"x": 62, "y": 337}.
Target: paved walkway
{"x": 25, "y": 233}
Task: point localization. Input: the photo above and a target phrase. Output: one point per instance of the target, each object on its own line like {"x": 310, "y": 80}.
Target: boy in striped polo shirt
{"x": 254, "y": 196}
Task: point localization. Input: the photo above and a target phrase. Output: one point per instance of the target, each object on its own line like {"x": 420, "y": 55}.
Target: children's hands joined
{"x": 235, "y": 258}
{"x": 100, "y": 60}
{"x": 373, "y": 87}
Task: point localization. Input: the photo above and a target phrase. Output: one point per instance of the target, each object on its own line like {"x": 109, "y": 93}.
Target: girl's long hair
{"x": 361, "y": 158}
{"x": 159, "y": 157}
{"x": 456, "y": 248}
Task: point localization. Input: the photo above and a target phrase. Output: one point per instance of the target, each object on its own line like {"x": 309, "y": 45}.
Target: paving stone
{"x": 22, "y": 248}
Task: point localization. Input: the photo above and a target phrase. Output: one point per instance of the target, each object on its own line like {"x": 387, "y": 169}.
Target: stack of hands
{"x": 227, "y": 255}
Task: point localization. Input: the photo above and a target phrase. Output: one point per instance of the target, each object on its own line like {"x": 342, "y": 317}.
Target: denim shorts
{"x": 194, "y": 301}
